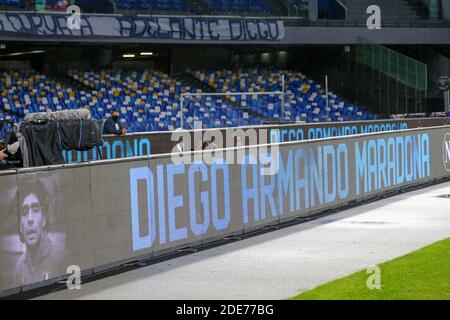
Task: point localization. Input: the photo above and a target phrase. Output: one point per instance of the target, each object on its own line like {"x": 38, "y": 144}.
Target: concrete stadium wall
{"x": 294, "y": 35}
{"x": 446, "y": 10}
{"x": 101, "y": 214}
{"x": 152, "y": 143}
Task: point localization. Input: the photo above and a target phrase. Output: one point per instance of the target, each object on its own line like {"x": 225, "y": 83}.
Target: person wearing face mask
{"x": 113, "y": 125}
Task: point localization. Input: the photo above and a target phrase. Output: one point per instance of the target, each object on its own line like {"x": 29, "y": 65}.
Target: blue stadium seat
{"x": 305, "y": 100}
{"x": 162, "y": 5}
{"x": 234, "y": 6}
{"x": 148, "y": 100}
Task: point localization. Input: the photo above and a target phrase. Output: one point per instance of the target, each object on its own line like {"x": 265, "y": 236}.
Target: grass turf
{"x": 421, "y": 275}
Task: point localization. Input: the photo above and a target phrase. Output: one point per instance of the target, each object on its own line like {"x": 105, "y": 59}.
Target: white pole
{"x": 447, "y": 101}
{"x": 181, "y": 109}
{"x": 282, "y": 96}
{"x": 326, "y": 88}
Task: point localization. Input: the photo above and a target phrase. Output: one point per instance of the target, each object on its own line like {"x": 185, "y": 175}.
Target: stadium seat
{"x": 239, "y": 6}
{"x": 148, "y": 100}
{"x": 159, "y": 5}
{"x": 304, "y": 100}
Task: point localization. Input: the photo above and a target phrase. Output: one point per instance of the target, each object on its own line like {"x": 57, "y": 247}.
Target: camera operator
{"x": 3, "y": 155}
{"x": 10, "y": 155}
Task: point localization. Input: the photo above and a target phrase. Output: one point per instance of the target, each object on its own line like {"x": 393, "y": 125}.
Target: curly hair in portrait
{"x": 40, "y": 192}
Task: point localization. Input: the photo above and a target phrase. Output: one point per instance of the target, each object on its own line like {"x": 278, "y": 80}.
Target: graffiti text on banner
{"x": 174, "y": 28}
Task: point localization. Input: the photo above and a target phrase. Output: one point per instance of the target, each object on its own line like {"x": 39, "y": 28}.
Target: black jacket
{"x": 16, "y": 157}
{"x": 111, "y": 127}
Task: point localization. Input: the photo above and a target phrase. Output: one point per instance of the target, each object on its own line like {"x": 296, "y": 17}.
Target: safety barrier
{"x": 101, "y": 214}
{"x": 140, "y": 144}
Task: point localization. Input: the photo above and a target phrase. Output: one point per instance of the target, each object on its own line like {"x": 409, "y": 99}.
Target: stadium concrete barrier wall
{"x": 151, "y": 143}
{"x": 102, "y": 214}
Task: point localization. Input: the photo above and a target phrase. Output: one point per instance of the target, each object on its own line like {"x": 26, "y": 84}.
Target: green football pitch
{"x": 422, "y": 274}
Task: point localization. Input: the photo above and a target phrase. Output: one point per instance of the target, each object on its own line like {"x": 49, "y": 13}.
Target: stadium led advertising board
{"x": 101, "y": 214}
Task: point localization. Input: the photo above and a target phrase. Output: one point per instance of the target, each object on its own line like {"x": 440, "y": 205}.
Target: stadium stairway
{"x": 150, "y": 101}
{"x": 278, "y": 9}
{"x": 200, "y": 7}
{"x": 305, "y": 100}
{"x": 274, "y": 7}
{"x": 190, "y": 78}
{"x": 69, "y": 82}
{"x": 391, "y": 10}
{"x": 158, "y": 6}
{"x": 239, "y": 7}
{"x": 419, "y": 7}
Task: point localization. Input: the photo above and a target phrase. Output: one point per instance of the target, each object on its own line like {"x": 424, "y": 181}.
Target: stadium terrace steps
{"x": 236, "y": 7}
{"x": 200, "y": 6}
{"x": 391, "y": 10}
{"x": 304, "y": 100}
{"x": 149, "y": 100}
{"x": 68, "y": 82}
{"x": 191, "y": 79}
{"x": 167, "y": 6}
{"x": 419, "y": 7}
{"x": 278, "y": 9}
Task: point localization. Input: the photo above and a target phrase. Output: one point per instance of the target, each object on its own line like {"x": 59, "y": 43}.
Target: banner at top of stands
{"x": 142, "y": 27}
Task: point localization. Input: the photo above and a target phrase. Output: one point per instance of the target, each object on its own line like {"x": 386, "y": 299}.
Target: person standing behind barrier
{"x": 112, "y": 125}
{"x": 42, "y": 259}
{"x": 10, "y": 153}
{"x": 3, "y": 158}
